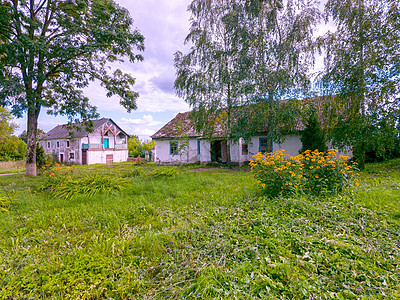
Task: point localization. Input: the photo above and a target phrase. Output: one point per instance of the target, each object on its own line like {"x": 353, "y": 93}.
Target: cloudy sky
{"x": 164, "y": 24}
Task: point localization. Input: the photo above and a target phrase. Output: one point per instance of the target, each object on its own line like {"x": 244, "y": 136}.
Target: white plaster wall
{"x": 205, "y": 151}
{"x": 163, "y": 155}
{"x": 291, "y": 144}
{"x": 99, "y": 157}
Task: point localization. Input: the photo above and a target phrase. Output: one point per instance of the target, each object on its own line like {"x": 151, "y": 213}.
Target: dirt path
{"x": 11, "y": 174}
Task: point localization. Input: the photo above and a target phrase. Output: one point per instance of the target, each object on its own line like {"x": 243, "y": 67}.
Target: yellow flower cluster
{"x": 310, "y": 171}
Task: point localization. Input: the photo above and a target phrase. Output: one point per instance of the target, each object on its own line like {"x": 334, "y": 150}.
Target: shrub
{"x": 42, "y": 159}
{"x": 313, "y": 136}
{"x": 307, "y": 173}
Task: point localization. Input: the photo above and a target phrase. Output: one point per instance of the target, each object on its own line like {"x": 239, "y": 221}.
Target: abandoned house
{"x": 107, "y": 143}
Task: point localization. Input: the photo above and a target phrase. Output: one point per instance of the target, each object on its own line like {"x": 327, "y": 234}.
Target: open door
{"x": 219, "y": 151}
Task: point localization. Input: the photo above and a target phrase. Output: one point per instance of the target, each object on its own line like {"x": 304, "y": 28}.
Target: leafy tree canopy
{"x": 137, "y": 147}
{"x": 6, "y": 126}
{"x": 54, "y": 49}
{"x": 362, "y": 68}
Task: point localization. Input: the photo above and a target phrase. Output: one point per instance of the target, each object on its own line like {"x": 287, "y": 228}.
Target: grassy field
{"x": 12, "y": 166}
{"x": 122, "y": 231}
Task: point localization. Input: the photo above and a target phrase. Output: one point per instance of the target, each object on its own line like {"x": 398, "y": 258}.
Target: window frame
{"x": 173, "y": 147}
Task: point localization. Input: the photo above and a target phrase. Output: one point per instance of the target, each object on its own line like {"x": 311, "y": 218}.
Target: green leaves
{"x": 56, "y": 48}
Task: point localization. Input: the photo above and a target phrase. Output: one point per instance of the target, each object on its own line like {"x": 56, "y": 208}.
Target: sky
{"x": 164, "y": 24}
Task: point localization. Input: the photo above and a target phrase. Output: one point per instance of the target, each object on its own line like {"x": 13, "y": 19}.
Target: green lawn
{"x": 165, "y": 232}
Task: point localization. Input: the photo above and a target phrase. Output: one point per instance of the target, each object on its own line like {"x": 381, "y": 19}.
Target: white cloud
{"x": 146, "y": 120}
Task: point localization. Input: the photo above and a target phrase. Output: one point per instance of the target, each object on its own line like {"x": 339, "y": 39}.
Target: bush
{"x": 42, "y": 159}
{"x": 313, "y": 136}
{"x": 307, "y": 173}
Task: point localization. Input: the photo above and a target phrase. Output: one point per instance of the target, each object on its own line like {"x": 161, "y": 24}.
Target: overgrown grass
{"x": 12, "y": 166}
{"x": 199, "y": 235}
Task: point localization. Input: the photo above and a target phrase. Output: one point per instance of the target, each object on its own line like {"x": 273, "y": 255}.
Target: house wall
{"x": 291, "y": 144}
{"x": 71, "y": 153}
{"x": 100, "y": 157}
{"x": 163, "y": 156}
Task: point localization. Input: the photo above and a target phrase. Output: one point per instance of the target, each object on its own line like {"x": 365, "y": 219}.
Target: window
{"x": 264, "y": 145}
{"x": 245, "y": 149}
{"x": 48, "y": 144}
{"x": 67, "y": 144}
{"x": 198, "y": 147}
{"x": 71, "y": 155}
{"x": 58, "y": 144}
{"x": 173, "y": 148}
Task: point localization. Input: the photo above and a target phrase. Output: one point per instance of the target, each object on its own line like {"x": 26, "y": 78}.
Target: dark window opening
{"x": 173, "y": 148}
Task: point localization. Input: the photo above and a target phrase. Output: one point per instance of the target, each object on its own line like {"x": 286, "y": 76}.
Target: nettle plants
{"x": 311, "y": 172}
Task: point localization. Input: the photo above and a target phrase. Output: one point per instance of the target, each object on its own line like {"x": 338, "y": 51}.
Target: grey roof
{"x": 63, "y": 132}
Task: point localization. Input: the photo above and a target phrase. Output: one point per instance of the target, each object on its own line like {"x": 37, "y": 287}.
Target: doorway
{"x": 219, "y": 151}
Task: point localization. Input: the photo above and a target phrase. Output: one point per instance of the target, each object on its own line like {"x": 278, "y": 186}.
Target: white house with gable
{"x": 106, "y": 144}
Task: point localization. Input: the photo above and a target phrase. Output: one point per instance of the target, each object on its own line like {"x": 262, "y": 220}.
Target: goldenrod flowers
{"x": 310, "y": 172}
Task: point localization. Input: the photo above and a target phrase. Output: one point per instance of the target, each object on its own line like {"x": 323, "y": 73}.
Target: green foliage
{"x": 362, "y": 69}
{"x": 6, "y": 126}
{"x": 204, "y": 235}
{"x": 12, "y": 148}
{"x": 134, "y": 172}
{"x": 55, "y": 49}
{"x": 137, "y": 147}
{"x": 89, "y": 186}
{"x": 163, "y": 172}
{"x": 43, "y": 160}
{"x": 312, "y": 173}
{"x": 4, "y": 202}
{"x": 313, "y": 136}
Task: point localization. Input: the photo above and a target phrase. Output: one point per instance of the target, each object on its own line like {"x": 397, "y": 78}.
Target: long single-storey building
{"x": 168, "y": 150}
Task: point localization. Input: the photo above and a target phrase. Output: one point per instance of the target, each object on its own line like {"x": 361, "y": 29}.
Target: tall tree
{"x": 55, "y": 48}
{"x": 362, "y": 68}
{"x": 282, "y": 54}
{"x": 209, "y": 77}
